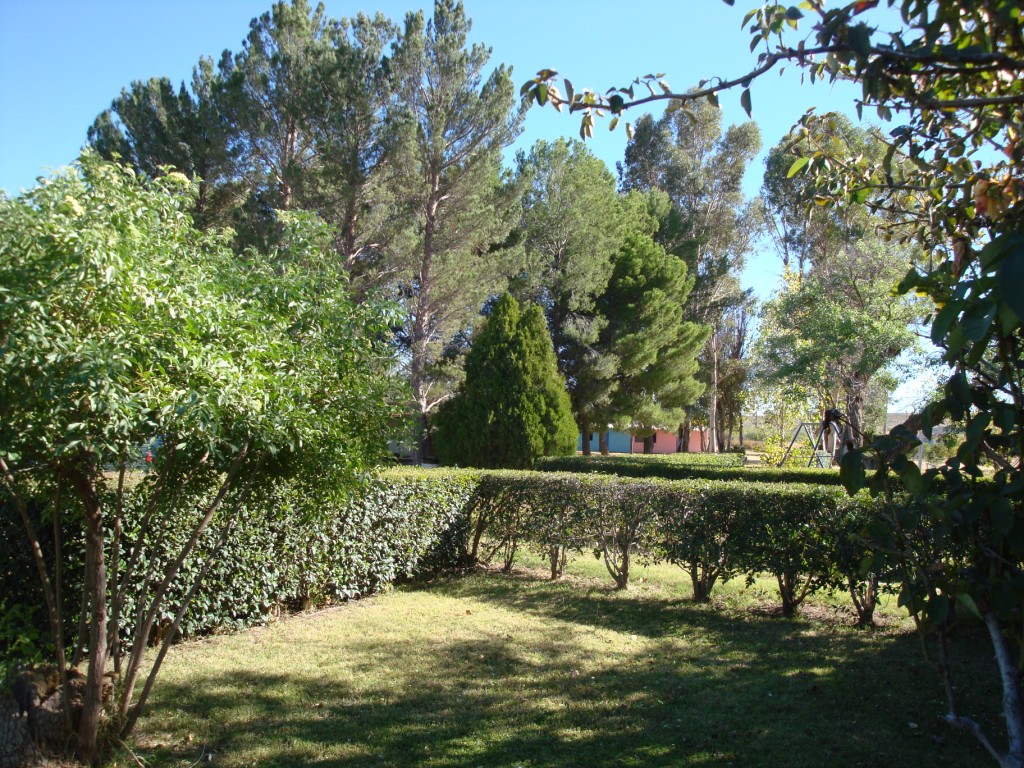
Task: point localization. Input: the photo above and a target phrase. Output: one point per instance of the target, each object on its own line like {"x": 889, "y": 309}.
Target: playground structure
{"x": 823, "y": 441}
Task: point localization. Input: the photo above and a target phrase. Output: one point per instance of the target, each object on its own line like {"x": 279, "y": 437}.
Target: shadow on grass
{"x": 696, "y": 688}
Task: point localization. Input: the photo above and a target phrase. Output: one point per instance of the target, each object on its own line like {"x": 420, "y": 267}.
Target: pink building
{"x": 667, "y": 442}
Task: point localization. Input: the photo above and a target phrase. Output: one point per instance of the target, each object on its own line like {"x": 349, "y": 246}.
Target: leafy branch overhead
{"x": 947, "y": 61}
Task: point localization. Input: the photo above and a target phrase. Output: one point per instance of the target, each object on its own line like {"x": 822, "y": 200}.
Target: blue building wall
{"x": 618, "y": 442}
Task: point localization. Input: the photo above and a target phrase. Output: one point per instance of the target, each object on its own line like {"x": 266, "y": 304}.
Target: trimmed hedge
{"x": 280, "y": 553}
{"x": 408, "y": 521}
{"x": 672, "y": 468}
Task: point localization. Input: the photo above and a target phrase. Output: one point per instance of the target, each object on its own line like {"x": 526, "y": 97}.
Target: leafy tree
{"x": 297, "y": 119}
{"x": 121, "y": 323}
{"x": 455, "y": 125}
{"x": 655, "y": 346}
{"x": 349, "y": 186}
{"x": 274, "y": 98}
{"x": 842, "y": 328}
{"x": 513, "y": 407}
{"x": 573, "y": 224}
{"x": 686, "y": 155}
{"x": 954, "y": 75}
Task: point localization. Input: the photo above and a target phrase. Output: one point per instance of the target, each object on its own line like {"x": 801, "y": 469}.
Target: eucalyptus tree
{"x": 120, "y": 323}
{"x": 455, "y": 122}
{"x": 836, "y": 325}
{"x": 687, "y": 155}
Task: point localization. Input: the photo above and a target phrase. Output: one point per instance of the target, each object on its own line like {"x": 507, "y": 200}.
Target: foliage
{"x": 694, "y": 171}
{"x": 573, "y": 224}
{"x": 834, "y": 326}
{"x": 121, "y": 323}
{"x": 671, "y": 468}
{"x": 513, "y": 407}
{"x": 453, "y": 123}
{"x": 150, "y": 126}
{"x": 951, "y": 177}
{"x": 655, "y": 346}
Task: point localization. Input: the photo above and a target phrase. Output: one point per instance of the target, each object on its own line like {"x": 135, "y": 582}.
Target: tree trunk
{"x": 703, "y": 582}
{"x": 557, "y": 556}
{"x": 622, "y": 578}
{"x": 421, "y": 323}
{"x": 585, "y": 434}
{"x": 92, "y": 698}
{"x": 713, "y": 415}
{"x": 603, "y": 442}
{"x": 684, "y": 437}
{"x": 864, "y": 599}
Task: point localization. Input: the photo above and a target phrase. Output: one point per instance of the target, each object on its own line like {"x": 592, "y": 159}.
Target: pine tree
{"x": 513, "y": 407}
{"x": 656, "y": 347}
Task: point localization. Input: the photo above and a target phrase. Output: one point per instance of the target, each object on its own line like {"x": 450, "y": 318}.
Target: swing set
{"x": 823, "y": 441}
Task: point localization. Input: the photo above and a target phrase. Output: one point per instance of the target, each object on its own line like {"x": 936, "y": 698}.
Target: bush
{"x": 282, "y": 552}
{"x": 722, "y": 467}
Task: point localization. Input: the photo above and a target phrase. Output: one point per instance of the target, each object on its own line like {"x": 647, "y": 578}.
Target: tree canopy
{"x": 121, "y": 323}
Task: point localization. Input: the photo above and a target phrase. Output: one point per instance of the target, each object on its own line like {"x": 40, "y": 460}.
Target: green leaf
{"x": 569, "y": 92}
{"x": 745, "y": 101}
{"x": 968, "y": 603}
{"x": 799, "y": 164}
{"x": 541, "y": 93}
{"x": 859, "y": 37}
{"x": 977, "y": 320}
{"x": 851, "y": 472}
{"x": 938, "y": 608}
{"x": 1011, "y": 281}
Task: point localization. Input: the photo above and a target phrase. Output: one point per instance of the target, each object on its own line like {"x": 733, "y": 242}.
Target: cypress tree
{"x": 513, "y": 406}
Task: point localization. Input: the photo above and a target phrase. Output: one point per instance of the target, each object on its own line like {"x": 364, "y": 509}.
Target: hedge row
{"x": 672, "y": 468}
{"x": 807, "y": 536}
{"x": 280, "y": 553}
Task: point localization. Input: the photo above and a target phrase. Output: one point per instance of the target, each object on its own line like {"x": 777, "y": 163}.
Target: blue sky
{"x": 62, "y": 61}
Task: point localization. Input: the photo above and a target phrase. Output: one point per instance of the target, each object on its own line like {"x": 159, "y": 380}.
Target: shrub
{"x": 673, "y": 468}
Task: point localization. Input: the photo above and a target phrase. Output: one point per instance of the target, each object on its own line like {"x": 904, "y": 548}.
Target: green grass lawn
{"x": 492, "y": 669}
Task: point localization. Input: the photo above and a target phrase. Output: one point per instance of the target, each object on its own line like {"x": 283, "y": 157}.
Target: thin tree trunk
{"x": 56, "y": 630}
{"x": 713, "y": 416}
{"x": 603, "y": 442}
{"x": 421, "y": 323}
{"x": 92, "y": 698}
{"x": 142, "y": 632}
{"x": 585, "y": 434}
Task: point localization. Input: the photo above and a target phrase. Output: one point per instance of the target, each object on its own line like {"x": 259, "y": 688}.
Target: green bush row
{"x": 282, "y": 552}
{"x": 279, "y": 553}
{"x": 806, "y": 536}
{"x": 673, "y": 467}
